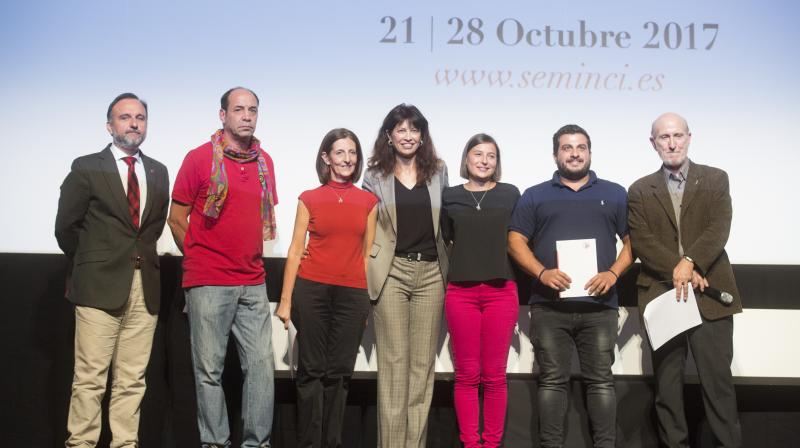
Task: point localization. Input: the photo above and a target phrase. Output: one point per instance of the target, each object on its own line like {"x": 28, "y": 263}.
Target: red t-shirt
{"x": 336, "y": 234}
{"x": 225, "y": 251}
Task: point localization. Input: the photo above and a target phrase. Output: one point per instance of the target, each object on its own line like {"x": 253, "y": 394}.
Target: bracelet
{"x": 614, "y": 273}
{"x": 539, "y": 277}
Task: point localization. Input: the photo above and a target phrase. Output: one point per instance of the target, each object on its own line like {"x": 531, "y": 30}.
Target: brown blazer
{"x": 705, "y": 225}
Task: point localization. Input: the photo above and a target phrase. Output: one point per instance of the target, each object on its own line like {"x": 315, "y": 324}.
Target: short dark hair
{"x": 323, "y": 170}
{"x": 124, "y": 96}
{"x": 223, "y": 102}
{"x": 570, "y": 129}
{"x": 474, "y": 141}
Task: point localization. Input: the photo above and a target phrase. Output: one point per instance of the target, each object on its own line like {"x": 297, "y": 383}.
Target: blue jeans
{"x": 215, "y": 311}
{"x": 594, "y": 333}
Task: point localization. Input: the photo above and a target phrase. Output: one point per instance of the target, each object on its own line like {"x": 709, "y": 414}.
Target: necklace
{"x": 478, "y": 202}
{"x": 341, "y": 197}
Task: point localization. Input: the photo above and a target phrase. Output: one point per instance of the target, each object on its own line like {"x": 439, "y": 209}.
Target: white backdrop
{"x": 761, "y": 344}
{"x": 729, "y": 66}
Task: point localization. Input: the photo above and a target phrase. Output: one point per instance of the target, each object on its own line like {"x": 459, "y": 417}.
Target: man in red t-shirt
{"x": 222, "y": 209}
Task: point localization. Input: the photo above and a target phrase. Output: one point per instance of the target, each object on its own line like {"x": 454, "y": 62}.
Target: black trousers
{"x": 330, "y": 321}
{"x": 712, "y": 349}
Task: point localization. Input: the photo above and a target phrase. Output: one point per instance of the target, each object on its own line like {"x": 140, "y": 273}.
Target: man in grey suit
{"x": 680, "y": 218}
{"x": 111, "y": 212}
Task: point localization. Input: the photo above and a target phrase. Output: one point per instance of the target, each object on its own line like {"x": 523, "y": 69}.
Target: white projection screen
{"x": 517, "y": 70}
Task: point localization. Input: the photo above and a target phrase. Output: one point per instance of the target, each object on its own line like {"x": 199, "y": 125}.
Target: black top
{"x": 479, "y": 237}
{"x": 414, "y": 220}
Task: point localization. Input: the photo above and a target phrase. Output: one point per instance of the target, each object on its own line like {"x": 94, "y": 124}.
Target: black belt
{"x": 416, "y": 256}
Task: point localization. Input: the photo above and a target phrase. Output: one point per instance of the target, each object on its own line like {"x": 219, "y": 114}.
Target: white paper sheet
{"x": 578, "y": 259}
{"x": 291, "y": 349}
{"x": 665, "y": 317}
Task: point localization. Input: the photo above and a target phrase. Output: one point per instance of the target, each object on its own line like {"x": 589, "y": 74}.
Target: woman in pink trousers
{"x": 481, "y": 302}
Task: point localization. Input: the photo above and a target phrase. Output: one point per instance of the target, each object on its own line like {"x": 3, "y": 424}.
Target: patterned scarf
{"x": 218, "y": 186}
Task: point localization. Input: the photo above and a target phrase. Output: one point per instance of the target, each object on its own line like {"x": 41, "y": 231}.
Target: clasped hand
{"x": 560, "y": 281}
{"x": 683, "y": 275}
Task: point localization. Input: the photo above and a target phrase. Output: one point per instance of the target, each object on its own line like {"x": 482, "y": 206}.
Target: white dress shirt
{"x": 140, "y": 174}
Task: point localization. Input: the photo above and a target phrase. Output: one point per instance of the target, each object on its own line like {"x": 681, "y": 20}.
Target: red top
{"x": 336, "y": 234}
{"x": 225, "y": 251}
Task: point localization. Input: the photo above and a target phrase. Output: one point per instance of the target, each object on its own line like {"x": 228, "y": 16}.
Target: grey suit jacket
{"x": 705, "y": 224}
{"x": 95, "y": 231}
{"x": 382, "y": 251}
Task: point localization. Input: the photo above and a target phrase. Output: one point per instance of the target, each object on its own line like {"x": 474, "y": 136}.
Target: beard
{"x": 564, "y": 171}
{"x": 128, "y": 141}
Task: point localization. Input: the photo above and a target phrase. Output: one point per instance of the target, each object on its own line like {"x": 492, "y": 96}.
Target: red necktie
{"x": 133, "y": 191}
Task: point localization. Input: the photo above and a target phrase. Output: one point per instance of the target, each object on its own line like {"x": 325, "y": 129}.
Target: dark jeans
{"x": 330, "y": 322}
{"x": 593, "y": 331}
{"x": 712, "y": 349}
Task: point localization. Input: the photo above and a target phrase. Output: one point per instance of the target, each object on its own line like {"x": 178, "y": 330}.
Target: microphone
{"x": 722, "y": 297}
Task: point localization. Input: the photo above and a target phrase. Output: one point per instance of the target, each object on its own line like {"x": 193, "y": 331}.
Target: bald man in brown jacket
{"x": 680, "y": 219}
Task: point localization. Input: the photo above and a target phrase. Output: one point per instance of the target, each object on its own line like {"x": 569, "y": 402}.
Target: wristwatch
{"x": 688, "y": 258}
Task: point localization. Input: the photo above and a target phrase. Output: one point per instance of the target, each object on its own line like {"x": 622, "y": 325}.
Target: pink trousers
{"x": 481, "y": 318}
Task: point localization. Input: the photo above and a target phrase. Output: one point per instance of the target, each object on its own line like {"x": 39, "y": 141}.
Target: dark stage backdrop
{"x": 36, "y": 343}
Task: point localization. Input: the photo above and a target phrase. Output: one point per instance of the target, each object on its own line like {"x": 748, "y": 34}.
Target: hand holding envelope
{"x": 555, "y": 279}
{"x": 579, "y": 259}
{"x": 600, "y": 283}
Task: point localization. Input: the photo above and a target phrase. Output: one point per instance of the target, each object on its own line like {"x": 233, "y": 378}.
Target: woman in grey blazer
{"x": 406, "y": 273}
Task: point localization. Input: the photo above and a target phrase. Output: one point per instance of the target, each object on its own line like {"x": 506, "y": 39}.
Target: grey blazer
{"x": 382, "y": 251}
{"x": 95, "y": 231}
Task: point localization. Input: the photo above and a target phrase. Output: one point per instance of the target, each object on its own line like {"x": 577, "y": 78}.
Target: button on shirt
{"x": 676, "y": 184}
{"x": 123, "y": 174}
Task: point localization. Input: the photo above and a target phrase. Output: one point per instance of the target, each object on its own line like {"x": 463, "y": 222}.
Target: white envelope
{"x": 578, "y": 259}
{"x": 291, "y": 348}
{"x": 666, "y": 317}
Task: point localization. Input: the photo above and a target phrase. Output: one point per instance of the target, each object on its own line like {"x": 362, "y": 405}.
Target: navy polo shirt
{"x": 551, "y": 211}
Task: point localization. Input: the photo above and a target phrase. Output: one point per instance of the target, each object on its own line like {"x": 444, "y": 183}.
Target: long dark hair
{"x": 383, "y": 157}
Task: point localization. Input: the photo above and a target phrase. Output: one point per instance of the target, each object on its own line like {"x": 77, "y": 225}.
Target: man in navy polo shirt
{"x": 573, "y": 205}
